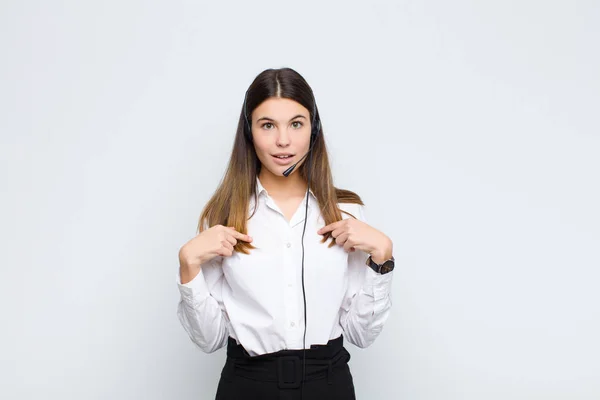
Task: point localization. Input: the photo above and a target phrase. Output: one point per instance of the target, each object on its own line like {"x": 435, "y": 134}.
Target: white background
{"x": 478, "y": 125}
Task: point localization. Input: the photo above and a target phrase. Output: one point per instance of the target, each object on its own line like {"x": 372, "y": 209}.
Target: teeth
{"x": 282, "y": 156}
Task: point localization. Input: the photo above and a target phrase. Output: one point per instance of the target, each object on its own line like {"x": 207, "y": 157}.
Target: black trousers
{"x": 279, "y": 376}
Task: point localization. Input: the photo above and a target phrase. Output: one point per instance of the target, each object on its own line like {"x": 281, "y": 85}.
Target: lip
{"x": 285, "y": 161}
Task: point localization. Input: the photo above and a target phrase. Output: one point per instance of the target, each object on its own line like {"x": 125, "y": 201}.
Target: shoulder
{"x": 349, "y": 202}
{"x": 355, "y": 210}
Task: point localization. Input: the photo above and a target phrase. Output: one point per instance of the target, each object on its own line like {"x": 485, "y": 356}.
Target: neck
{"x": 281, "y": 186}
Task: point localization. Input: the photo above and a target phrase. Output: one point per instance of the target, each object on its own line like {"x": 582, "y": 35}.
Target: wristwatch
{"x": 383, "y": 268}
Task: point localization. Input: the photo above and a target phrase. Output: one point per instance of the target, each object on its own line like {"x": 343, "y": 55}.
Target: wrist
{"x": 382, "y": 253}
{"x": 188, "y": 263}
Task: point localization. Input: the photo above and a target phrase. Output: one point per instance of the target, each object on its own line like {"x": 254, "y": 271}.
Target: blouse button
{"x": 289, "y": 244}
{"x": 292, "y": 324}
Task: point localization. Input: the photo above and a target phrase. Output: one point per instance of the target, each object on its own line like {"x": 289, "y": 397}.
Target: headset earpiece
{"x": 248, "y": 132}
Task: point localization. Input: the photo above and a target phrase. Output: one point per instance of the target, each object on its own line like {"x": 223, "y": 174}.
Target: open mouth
{"x": 283, "y": 159}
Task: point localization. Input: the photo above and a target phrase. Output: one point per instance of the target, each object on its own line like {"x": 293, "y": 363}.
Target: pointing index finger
{"x": 328, "y": 228}
{"x": 239, "y": 235}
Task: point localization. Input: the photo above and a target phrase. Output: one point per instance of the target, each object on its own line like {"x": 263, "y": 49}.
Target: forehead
{"x": 279, "y": 108}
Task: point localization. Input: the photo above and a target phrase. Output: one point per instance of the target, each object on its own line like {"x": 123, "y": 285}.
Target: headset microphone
{"x": 290, "y": 169}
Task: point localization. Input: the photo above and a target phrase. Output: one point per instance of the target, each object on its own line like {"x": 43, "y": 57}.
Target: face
{"x": 280, "y": 127}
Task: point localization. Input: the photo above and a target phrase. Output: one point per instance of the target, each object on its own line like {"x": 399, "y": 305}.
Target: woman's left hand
{"x": 356, "y": 234}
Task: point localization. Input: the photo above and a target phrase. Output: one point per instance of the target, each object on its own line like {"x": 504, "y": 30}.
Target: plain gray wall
{"x": 476, "y": 126}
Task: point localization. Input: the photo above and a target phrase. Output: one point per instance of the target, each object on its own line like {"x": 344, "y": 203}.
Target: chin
{"x": 276, "y": 170}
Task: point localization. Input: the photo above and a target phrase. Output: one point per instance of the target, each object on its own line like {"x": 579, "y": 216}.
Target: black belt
{"x": 285, "y": 366}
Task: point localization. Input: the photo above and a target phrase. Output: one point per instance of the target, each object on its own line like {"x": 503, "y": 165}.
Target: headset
{"x": 315, "y": 129}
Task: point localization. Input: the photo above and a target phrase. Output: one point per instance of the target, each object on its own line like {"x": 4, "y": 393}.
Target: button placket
{"x": 291, "y": 311}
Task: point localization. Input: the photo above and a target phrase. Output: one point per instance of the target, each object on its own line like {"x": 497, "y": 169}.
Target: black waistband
{"x": 285, "y": 366}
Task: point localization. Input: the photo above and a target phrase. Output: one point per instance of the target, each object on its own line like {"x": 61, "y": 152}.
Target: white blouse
{"x": 257, "y": 298}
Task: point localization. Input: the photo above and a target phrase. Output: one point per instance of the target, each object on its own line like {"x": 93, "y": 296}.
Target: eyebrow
{"x": 271, "y": 119}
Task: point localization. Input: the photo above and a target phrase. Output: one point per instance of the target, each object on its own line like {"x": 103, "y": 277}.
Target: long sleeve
{"x": 200, "y": 309}
{"x": 367, "y": 302}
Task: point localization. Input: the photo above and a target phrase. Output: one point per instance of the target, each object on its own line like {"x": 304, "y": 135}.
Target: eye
{"x": 300, "y": 124}
{"x": 265, "y": 124}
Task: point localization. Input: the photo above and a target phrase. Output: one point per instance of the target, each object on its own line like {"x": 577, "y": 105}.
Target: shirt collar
{"x": 260, "y": 189}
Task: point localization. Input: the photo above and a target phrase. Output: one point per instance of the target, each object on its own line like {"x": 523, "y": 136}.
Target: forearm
{"x": 199, "y": 312}
{"x": 365, "y": 317}
{"x": 204, "y": 323}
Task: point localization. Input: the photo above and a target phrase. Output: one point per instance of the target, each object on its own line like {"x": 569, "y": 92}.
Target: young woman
{"x": 284, "y": 267}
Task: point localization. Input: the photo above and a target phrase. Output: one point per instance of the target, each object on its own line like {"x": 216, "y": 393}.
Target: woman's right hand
{"x": 215, "y": 241}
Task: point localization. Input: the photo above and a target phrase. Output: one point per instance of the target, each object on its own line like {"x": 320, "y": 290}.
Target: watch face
{"x": 387, "y": 266}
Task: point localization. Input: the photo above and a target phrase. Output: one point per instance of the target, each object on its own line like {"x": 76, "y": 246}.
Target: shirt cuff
{"x": 378, "y": 284}
{"x": 195, "y": 290}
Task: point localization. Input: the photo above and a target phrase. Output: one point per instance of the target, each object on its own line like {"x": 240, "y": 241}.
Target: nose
{"x": 283, "y": 138}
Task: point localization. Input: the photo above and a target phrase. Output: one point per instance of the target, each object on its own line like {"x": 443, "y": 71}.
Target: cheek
{"x": 262, "y": 152}
{"x": 259, "y": 146}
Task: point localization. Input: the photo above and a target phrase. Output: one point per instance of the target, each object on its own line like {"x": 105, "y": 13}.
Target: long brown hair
{"x": 229, "y": 204}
